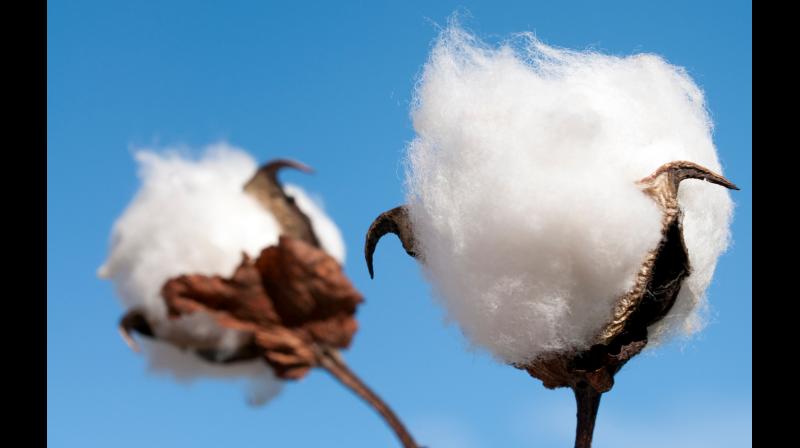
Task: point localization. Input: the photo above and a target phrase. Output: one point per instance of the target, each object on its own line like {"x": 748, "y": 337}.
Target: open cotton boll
{"x": 521, "y": 188}
{"x": 193, "y": 217}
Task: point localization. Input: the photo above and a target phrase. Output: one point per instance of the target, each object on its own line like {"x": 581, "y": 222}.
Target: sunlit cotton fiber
{"x": 191, "y": 216}
{"x": 521, "y": 186}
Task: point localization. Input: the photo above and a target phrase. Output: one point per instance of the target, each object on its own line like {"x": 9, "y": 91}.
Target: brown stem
{"x": 588, "y": 400}
{"x": 331, "y": 362}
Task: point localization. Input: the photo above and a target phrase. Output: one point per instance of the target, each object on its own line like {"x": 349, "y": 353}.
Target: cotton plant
{"x": 564, "y": 205}
{"x": 225, "y": 272}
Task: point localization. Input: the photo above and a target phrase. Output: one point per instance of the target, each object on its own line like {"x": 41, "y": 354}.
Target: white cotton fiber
{"x": 521, "y": 187}
{"x": 193, "y": 217}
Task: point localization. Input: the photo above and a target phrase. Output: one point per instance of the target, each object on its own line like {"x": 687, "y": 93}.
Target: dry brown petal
{"x": 291, "y": 299}
{"x": 305, "y": 284}
{"x": 335, "y": 331}
{"x": 290, "y": 353}
{"x": 241, "y": 297}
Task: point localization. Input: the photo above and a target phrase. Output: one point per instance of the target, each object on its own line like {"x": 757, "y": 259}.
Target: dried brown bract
{"x": 293, "y": 301}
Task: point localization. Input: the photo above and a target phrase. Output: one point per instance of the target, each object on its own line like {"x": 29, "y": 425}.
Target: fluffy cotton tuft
{"x": 521, "y": 187}
{"x": 193, "y": 217}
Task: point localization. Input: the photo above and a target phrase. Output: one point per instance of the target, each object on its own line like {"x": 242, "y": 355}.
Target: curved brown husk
{"x": 267, "y": 189}
{"x": 394, "y": 221}
{"x": 292, "y": 298}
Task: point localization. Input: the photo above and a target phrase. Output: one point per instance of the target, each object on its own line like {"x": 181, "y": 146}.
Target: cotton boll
{"x": 521, "y": 187}
{"x": 193, "y": 217}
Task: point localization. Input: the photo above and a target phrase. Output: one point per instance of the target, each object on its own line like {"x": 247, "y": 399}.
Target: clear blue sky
{"x": 329, "y": 84}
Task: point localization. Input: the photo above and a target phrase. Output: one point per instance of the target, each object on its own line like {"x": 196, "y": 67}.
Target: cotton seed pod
{"x": 290, "y": 309}
{"x": 264, "y": 210}
{"x": 194, "y": 217}
{"x": 591, "y": 372}
{"x": 292, "y": 302}
{"x": 537, "y": 209}
{"x": 657, "y": 285}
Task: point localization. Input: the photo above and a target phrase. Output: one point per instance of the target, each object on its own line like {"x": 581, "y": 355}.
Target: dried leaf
{"x": 242, "y": 297}
{"x": 292, "y": 298}
{"x": 305, "y": 283}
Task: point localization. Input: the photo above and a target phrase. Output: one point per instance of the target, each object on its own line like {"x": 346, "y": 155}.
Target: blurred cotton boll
{"x": 193, "y": 217}
{"x": 521, "y": 188}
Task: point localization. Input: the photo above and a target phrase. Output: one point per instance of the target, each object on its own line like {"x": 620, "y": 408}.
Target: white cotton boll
{"x": 521, "y": 187}
{"x": 193, "y": 217}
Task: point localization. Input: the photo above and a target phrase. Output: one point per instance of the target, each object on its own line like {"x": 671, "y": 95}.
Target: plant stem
{"x": 332, "y": 362}
{"x": 588, "y": 400}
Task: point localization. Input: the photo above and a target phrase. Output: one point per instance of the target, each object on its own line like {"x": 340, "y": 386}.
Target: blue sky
{"x": 329, "y": 84}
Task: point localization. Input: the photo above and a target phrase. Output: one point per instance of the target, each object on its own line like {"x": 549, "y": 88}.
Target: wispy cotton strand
{"x": 521, "y": 188}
